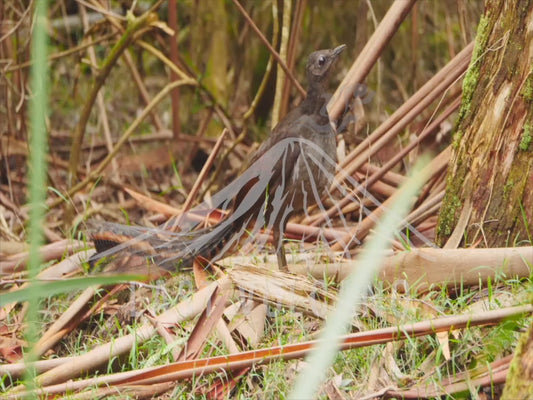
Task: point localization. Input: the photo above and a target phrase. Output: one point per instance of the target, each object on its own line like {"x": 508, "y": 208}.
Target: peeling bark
{"x": 491, "y": 167}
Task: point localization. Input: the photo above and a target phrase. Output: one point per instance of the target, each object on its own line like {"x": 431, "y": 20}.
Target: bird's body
{"x": 287, "y": 174}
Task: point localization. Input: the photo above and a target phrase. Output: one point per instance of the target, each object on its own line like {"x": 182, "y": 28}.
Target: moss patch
{"x": 450, "y": 206}
{"x": 527, "y": 90}
{"x": 472, "y": 75}
{"x": 526, "y": 137}
{"x": 457, "y": 139}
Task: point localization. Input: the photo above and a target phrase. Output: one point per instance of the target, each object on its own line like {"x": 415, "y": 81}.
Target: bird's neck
{"x": 315, "y": 101}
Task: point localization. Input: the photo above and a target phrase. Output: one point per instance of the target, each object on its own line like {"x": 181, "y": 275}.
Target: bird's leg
{"x": 280, "y": 250}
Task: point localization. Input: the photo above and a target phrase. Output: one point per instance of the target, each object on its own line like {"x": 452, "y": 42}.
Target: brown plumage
{"x": 288, "y": 173}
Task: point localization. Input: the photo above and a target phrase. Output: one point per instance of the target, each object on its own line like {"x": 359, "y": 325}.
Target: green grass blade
{"x": 37, "y": 180}
{"x": 354, "y": 290}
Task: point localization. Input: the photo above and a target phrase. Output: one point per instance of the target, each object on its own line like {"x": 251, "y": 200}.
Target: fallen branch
{"x": 233, "y": 362}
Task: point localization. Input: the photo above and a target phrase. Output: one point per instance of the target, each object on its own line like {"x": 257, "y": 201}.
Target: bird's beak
{"x": 338, "y": 50}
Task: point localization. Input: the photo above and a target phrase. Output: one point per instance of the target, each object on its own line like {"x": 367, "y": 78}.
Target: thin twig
{"x": 96, "y": 173}
{"x": 135, "y": 25}
{"x": 203, "y": 173}
{"x": 280, "y": 77}
{"x": 270, "y": 48}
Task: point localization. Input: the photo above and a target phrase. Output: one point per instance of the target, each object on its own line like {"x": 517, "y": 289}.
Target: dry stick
{"x": 223, "y": 158}
{"x": 368, "y": 57}
{"x": 47, "y": 252}
{"x": 142, "y": 89}
{"x": 232, "y": 362}
{"x": 264, "y": 81}
{"x": 185, "y": 310}
{"x": 427, "y": 189}
{"x": 61, "y": 54}
{"x": 204, "y": 123}
{"x": 164, "y": 59}
{"x": 361, "y": 230}
{"x": 432, "y": 211}
{"x": 52, "y": 335}
{"x": 291, "y": 52}
{"x": 379, "y": 187}
{"x": 96, "y": 173}
{"x": 163, "y": 134}
{"x": 130, "y": 392}
{"x": 129, "y": 62}
{"x": 427, "y": 208}
{"x": 269, "y": 47}
{"x": 407, "y": 112}
{"x": 134, "y": 26}
{"x": 383, "y": 134}
{"x": 421, "y": 269}
{"x": 96, "y": 6}
{"x": 385, "y": 137}
{"x": 281, "y": 78}
{"x": 205, "y": 324}
{"x": 201, "y": 177}
{"x": 390, "y": 177}
{"x": 102, "y": 113}
{"x": 169, "y": 211}
{"x": 28, "y": 10}
{"x": 491, "y": 375}
{"x": 431, "y": 129}
{"x": 204, "y": 171}
{"x": 321, "y": 217}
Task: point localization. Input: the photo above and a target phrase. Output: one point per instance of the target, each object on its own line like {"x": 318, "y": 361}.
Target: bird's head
{"x": 320, "y": 62}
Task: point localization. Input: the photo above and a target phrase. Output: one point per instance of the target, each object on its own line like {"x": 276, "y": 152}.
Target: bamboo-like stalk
{"x": 424, "y": 268}
{"x": 232, "y": 362}
{"x": 368, "y": 57}
{"x": 376, "y": 176}
{"x": 187, "y": 309}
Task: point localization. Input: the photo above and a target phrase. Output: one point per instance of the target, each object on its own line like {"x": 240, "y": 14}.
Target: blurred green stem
{"x": 37, "y": 161}
{"x": 355, "y": 288}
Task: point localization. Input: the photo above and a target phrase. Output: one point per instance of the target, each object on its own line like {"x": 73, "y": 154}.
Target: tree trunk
{"x": 519, "y": 383}
{"x": 490, "y": 177}
{"x": 489, "y": 192}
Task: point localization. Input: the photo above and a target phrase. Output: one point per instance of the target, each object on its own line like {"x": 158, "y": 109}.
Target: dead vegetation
{"x": 135, "y": 136}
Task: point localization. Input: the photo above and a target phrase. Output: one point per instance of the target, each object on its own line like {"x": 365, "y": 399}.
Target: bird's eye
{"x": 321, "y": 61}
